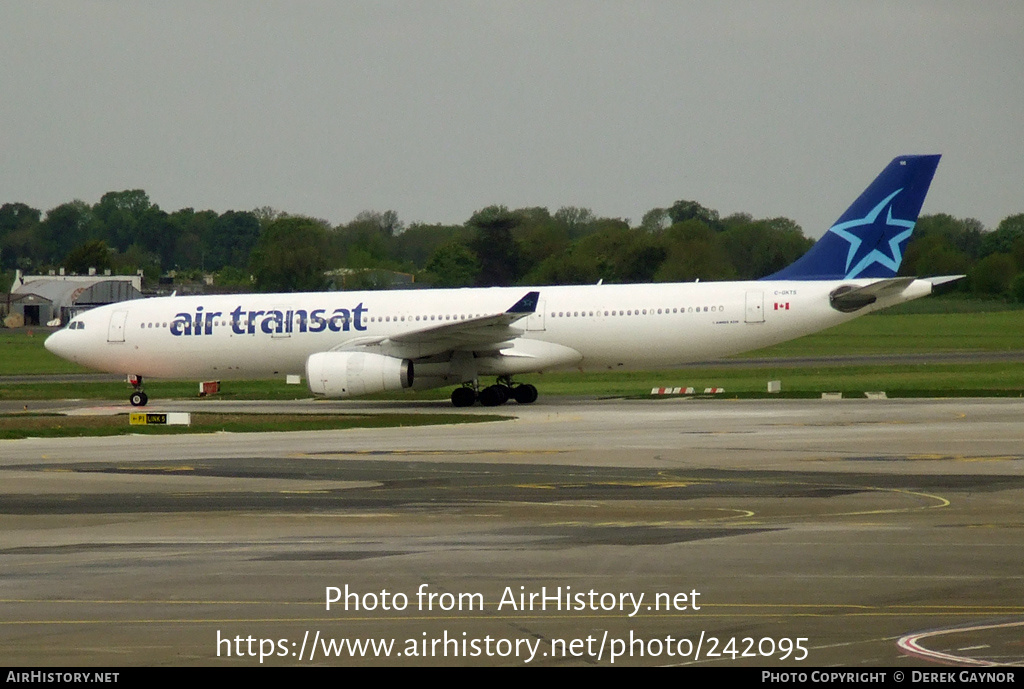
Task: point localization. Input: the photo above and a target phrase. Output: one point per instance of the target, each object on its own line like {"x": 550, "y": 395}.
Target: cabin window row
{"x": 448, "y": 317}
{"x": 554, "y": 314}
{"x": 638, "y": 312}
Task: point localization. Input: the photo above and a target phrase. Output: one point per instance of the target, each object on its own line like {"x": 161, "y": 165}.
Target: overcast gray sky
{"x": 436, "y": 109}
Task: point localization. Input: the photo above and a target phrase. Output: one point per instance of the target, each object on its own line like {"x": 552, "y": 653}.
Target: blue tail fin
{"x": 869, "y": 238}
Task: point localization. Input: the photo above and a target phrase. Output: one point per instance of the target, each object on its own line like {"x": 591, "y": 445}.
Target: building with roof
{"x": 55, "y": 299}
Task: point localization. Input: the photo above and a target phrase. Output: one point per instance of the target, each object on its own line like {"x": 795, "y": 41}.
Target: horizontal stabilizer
{"x": 944, "y": 279}
{"x": 849, "y": 298}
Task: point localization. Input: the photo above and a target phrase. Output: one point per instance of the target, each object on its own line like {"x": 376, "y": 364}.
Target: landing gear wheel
{"x": 463, "y": 397}
{"x": 137, "y": 398}
{"x": 525, "y": 394}
{"x": 494, "y": 396}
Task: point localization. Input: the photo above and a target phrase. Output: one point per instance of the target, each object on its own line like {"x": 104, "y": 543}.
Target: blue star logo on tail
{"x": 868, "y": 244}
{"x": 867, "y": 241}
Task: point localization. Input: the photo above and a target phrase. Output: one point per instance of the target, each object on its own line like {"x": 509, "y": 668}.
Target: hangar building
{"x": 46, "y": 299}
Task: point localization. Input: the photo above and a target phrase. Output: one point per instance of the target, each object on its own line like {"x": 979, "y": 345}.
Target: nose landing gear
{"x": 138, "y": 398}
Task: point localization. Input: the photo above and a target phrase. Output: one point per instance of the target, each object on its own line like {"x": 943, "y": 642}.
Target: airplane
{"x": 357, "y": 343}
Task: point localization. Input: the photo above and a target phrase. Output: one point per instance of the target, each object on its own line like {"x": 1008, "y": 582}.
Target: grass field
{"x": 908, "y": 380}
{"x": 910, "y": 334}
{"x": 22, "y": 353}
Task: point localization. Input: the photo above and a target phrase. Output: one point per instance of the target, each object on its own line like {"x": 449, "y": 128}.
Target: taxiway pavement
{"x": 839, "y": 527}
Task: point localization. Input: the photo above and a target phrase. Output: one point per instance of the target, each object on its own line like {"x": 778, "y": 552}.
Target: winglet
{"x": 527, "y": 304}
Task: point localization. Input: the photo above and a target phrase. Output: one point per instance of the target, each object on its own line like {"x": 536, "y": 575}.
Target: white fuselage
{"x": 601, "y": 327}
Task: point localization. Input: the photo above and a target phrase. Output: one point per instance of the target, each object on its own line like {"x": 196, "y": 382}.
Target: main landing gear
{"x": 494, "y": 395}
{"x": 138, "y": 398}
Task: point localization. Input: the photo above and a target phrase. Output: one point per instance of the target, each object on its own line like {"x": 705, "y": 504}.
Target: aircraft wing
{"x": 487, "y": 332}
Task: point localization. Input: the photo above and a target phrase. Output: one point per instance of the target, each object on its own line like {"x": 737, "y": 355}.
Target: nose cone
{"x": 57, "y": 343}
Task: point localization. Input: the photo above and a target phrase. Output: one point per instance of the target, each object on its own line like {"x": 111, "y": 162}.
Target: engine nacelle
{"x": 348, "y": 374}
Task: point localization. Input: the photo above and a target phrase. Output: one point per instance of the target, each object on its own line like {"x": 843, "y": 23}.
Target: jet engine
{"x": 348, "y": 374}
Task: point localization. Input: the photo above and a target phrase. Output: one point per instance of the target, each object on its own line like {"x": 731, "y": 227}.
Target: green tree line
{"x": 271, "y": 250}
